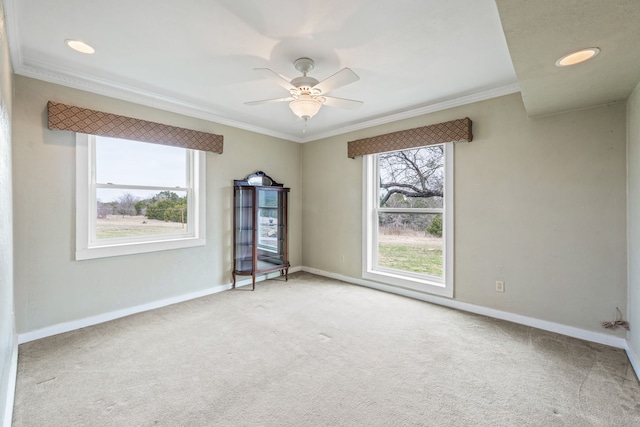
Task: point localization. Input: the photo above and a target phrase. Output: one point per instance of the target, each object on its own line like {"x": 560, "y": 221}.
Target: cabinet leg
{"x": 253, "y": 282}
{"x": 234, "y": 281}
{"x": 286, "y": 274}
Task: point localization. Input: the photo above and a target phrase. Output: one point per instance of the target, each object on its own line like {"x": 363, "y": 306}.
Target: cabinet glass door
{"x": 269, "y": 226}
{"x": 244, "y": 229}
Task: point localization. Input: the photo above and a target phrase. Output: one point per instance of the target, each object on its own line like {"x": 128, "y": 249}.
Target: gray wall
{"x": 7, "y": 323}
{"x": 633, "y": 217}
{"x": 51, "y": 287}
{"x": 539, "y": 203}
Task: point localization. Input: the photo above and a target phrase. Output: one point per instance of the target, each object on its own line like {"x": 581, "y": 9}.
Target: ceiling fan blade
{"x": 269, "y": 101}
{"x": 341, "y": 78}
{"x": 349, "y": 104}
{"x": 270, "y": 74}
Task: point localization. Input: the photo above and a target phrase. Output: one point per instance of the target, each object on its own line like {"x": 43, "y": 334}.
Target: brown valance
{"x": 83, "y": 120}
{"x": 452, "y": 131}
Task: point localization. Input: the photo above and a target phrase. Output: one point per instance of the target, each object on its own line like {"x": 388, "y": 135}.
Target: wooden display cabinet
{"x": 260, "y": 224}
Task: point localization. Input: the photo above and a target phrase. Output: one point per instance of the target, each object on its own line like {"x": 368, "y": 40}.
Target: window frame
{"x": 88, "y": 247}
{"x": 408, "y": 280}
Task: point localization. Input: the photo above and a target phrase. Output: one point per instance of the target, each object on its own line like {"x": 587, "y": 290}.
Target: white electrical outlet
{"x": 500, "y": 286}
{"x": 342, "y": 258}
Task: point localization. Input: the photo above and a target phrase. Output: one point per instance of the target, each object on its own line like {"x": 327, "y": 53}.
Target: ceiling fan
{"x": 306, "y": 94}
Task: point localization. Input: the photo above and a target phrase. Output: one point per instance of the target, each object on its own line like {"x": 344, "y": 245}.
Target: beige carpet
{"x": 317, "y": 352}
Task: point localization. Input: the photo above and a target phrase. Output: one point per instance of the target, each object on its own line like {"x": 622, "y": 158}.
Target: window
{"x": 408, "y": 224}
{"x": 135, "y": 197}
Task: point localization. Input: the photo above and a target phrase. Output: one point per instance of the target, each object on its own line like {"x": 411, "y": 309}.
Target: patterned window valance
{"x": 83, "y": 120}
{"x": 452, "y": 131}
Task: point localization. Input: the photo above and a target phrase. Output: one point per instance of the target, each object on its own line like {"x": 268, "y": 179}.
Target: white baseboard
{"x": 633, "y": 358}
{"x": 485, "y": 311}
{"x": 105, "y": 317}
{"x": 11, "y": 386}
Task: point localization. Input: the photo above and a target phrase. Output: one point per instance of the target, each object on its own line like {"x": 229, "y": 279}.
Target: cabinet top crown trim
{"x": 258, "y": 179}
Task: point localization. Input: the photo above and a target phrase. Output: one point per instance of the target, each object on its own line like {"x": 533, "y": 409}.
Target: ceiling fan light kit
{"x": 306, "y": 106}
{"x": 307, "y": 93}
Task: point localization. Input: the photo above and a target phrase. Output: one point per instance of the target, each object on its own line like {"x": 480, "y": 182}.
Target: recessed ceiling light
{"x": 79, "y": 46}
{"x": 577, "y": 57}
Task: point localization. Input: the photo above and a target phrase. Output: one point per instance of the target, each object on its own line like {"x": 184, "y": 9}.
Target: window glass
{"x": 411, "y": 242}
{"x": 120, "y": 161}
{"x": 412, "y": 178}
{"x": 127, "y": 213}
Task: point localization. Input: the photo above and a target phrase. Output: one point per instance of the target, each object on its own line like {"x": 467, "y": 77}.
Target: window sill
{"x": 406, "y": 282}
{"x": 137, "y": 248}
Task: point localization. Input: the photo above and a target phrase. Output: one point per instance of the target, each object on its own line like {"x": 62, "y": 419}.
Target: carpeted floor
{"x": 318, "y": 352}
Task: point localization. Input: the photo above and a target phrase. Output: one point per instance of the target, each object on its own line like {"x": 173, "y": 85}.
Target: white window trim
{"x": 86, "y": 248}
{"x": 420, "y": 283}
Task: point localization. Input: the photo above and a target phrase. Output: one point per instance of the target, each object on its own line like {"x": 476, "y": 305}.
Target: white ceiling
{"x": 196, "y": 57}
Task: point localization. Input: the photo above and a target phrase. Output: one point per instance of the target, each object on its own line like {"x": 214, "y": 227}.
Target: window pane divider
{"x": 410, "y": 210}
{"x": 141, "y": 187}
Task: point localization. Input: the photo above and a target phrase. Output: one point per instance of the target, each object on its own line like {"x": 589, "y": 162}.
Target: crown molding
{"x": 427, "y": 109}
{"x": 65, "y": 77}
{"x": 13, "y": 36}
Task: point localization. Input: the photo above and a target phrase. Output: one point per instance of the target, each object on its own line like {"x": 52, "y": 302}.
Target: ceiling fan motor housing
{"x": 305, "y": 83}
